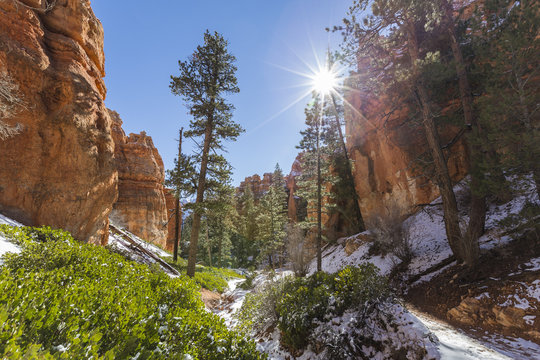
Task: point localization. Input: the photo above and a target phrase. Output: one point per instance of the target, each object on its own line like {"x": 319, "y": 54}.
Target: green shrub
{"x": 211, "y": 278}
{"x": 67, "y": 300}
{"x": 258, "y": 312}
{"x": 210, "y": 281}
{"x": 307, "y": 302}
{"x": 248, "y": 283}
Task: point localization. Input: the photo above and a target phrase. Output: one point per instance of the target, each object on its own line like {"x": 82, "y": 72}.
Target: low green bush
{"x": 248, "y": 283}
{"x": 210, "y": 278}
{"x": 211, "y": 281}
{"x": 65, "y": 300}
{"x": 298, "y": 305}
{"x": 258, "y": 312}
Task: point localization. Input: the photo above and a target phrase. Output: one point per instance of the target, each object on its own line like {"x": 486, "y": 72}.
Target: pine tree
{"x": 508, "y": 48}
{"x": 219, "y": 215}
{"x": 272, "y": 219}
{"x": 346, "y": 196}
{"x": 316, "y": 172}
{"x": 391, "y": 46}
{"x": 204, "y": 79}
{"x": 245, "y": 239}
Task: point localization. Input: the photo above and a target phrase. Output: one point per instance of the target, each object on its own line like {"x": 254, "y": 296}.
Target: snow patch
{"x": 7, "y": 246}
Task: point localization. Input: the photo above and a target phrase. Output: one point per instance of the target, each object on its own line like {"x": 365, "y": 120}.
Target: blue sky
{"x": 144, "y": 41}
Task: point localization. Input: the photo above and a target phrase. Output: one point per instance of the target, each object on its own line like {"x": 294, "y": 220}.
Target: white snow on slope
{"x": 5, "y": 245}
{"x": 116, "y": 240}
{"x": 454, "y": 345}
{"x": 428, "y": 237}
{"x": 430, "y": 247}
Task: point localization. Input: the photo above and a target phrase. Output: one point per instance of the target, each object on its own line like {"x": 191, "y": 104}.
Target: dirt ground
{"x": 211, "y": 299}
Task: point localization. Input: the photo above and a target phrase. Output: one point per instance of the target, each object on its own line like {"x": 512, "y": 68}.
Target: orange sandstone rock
{"x": 141, "y": 206}
{"x": 383, "y": 148}
{"x": 59, "y": 170}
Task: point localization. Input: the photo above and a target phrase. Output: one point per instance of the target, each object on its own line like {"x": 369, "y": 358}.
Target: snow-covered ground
{"x": 427, "y": 235}
{"x": 442, "y": 341}
{"x": 119, "y": 242}
{"x": 455, "y": 345}
{"x": 5, "y": 245}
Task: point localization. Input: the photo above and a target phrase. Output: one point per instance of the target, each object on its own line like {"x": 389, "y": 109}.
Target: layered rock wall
{"x": 59, "y": 169}
{"x": 141, "y": 206}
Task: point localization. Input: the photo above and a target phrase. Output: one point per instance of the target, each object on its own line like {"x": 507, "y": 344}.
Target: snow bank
{"x": 5, "y": 245}
{"x": 427, "y": 234}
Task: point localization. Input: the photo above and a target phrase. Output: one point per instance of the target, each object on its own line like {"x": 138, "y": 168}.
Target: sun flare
{"x": 324, "y": 81}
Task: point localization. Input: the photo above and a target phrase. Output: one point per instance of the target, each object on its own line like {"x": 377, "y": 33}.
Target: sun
{"x": 324, "y": 81}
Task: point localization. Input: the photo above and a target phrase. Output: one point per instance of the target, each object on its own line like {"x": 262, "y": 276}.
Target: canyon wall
{"x": 58, "y": 170}
{"x": 384, "y": 149}
{"x": 141, "y": 206}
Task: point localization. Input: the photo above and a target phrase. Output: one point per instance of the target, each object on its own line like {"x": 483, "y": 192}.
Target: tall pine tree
{"x": 272, "y": 219}
{"x": 204, "y": 79}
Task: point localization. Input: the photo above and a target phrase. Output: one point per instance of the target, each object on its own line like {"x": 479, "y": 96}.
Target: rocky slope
{"x": 59, "y": 169}
{"x": 141, "y": 206}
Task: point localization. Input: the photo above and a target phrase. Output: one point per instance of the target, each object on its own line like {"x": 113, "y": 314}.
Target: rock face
{"x": 258, "y": 186}
{"x": 59, "y": 169}
{"x": 141, "y": 206}
{"x": 383, "y": 148}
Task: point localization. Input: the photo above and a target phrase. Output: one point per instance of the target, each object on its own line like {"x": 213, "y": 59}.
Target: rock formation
{"x": 290, "y": 180}
{"x": 258, "y": 186}
{"x": 384, "y": 148}
{"x": 141, "y": 205}
{"x": 59, "y": 169}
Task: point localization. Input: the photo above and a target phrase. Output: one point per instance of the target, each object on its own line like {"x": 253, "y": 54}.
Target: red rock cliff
{"x": 141, "y": 205}
{"x": 59, "y": 169}
{"x": 258, "y": 186}
{"x": 383, "y": 148}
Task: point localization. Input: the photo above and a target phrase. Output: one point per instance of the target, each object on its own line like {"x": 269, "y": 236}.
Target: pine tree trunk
{"x": 197, "y": 213}
{"x": 477, "y": 212}
{"x": 477, "y": 222}
{"x": 319, "y": 203}
{"x": 350, "y": 176}
{"x": 177, "y": 210}
{"x": 208, "y": 245}
{"x": 451, "y": 214}
{"x": 220, "y": 249}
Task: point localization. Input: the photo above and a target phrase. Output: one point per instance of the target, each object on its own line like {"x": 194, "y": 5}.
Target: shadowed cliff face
{"x": 141, "y": 205}
{"x": 384, "y": 149}
{"x": 59, "y": 170}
